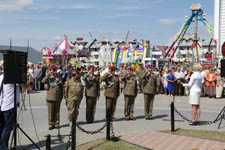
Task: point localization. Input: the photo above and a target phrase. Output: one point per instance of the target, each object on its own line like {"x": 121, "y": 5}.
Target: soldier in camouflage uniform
{"x": 73, "y": 94}
{"x": 92, "y": 93}
{"x": 54, "y": 96}
{"x": 149, "y": 90}
{"x": 140, "y": 73}
{"x": 112, "y": 90}
{"x": 130, "y": 92}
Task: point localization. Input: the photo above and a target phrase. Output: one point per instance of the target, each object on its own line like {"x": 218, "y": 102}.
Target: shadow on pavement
{"x": 55, "y": 140}
{"x": 115, "y": 120}
{"x": 153, "y": 118}
{"x": 64, "y": 125}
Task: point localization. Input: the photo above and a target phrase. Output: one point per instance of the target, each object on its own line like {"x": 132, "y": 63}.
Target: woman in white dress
{"x": 195, "y": 84}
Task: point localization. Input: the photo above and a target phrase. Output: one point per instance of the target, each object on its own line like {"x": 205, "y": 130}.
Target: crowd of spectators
{"x": 172, "y": 77}
{"x": 169, "y": 78}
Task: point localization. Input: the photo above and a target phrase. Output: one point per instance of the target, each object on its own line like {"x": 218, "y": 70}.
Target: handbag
{"x": 165, "y": 86}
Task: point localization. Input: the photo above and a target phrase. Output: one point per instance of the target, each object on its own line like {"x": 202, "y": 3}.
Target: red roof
{"x": 161, "y": 47}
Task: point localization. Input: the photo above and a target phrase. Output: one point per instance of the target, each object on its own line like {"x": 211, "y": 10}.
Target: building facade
{"x": 105, "y": 53}
{"x": 219, "y": 25}
{"x": 100, "y": 54}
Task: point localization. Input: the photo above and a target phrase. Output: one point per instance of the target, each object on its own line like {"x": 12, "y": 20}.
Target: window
{"x": 96, "y": 56}
{"x": 181, "y": 48}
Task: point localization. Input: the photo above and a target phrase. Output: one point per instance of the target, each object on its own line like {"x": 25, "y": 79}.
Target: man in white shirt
{"x": 179, "y": 75}
{"x": 7, "y": 109}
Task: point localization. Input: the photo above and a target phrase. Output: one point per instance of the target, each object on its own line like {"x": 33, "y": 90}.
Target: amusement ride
{"x": 196, "y": 16}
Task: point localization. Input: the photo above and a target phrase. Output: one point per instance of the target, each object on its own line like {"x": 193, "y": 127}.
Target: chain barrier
{"x": 112, "y": 129}
{"x": 182, "y": 116}
{"x": 204, "y": 123}
{"x": 91, "y": 132}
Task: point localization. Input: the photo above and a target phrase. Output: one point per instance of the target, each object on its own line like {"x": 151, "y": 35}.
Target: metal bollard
{"x": 48, "y": 142}
{"x": 74, "y": 124}
{"x": 108, "y": 120}
{"x": 172, "y": 116}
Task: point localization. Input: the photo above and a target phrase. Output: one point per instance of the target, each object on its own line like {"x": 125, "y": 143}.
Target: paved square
{"x": 165, "y": 141}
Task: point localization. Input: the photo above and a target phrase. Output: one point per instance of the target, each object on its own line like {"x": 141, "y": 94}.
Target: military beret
{"x": 148, "y": 66}
{"x": 53, "y": 67}
{"x": 112, "y": 68}
{"x": 130, "y": 68}
{"x": 90, "y": 67}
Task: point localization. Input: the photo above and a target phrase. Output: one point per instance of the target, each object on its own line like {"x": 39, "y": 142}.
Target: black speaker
{"x": 223, "y": 68}
{"x": 15, "y": 68}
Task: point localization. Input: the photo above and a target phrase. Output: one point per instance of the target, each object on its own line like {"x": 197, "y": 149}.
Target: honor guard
{"x": 54, "y": 84}
{"x": 73, "y": 94}
{"x": 92, "y": 93}
{"x": 130, "y": 92}
{"x": 149, "y": 90}
{"x": 112, "y": 90}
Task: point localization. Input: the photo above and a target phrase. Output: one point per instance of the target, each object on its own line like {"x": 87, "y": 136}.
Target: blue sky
{"x": 44, "y": 22}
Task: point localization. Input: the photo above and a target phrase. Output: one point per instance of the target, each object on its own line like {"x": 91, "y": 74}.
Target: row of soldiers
{"x": 89, "y": 83}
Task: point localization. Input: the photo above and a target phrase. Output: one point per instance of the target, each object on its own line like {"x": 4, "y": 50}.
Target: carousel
{"x": 62, "y": 53}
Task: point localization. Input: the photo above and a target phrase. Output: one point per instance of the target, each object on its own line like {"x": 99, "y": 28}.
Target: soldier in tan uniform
{"x": 149, "y": 90}
{"x": 54, "y": 96}
{"x": 130, "y": 92}
{"x": 112, "y": 90}
{"x": 92, "y": 93}
{"x": 140, "y": 73}
{"x": 73, "y": 94}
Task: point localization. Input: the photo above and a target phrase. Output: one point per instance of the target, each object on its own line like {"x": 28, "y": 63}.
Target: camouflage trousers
{"x": 53, "y": 112}
{"x": 90, "y": 108}
{"x": 148, "y": 106}
{"x": 111, "y": 105}
{"x": 129, "y": 106}
{"x": 73, "y": 109}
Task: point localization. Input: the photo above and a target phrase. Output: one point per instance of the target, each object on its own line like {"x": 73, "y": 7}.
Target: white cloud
{"x": 128, "y": 8}
{"x": 57, "y": 38}
{"x": 60, "y": 7}
{"x": 75, "y": 7}
{"x": 120, "y": 15}
{"x": 14, "y": 5}
{"x": 126, "y": 15}
{"x": 24, "y": 2}
{"x": 19, "y": 5}
{"x": 167, "y": 21}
